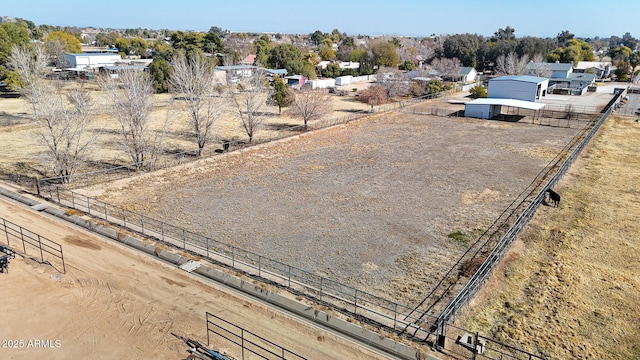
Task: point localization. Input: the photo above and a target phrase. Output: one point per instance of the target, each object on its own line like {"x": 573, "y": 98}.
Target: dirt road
{"x": 115, "y": 302}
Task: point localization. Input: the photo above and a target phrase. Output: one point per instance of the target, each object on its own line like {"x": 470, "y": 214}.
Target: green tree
{"x": 326, "y": 52}
{"x": 263, "y": 49}
{"x": 407, "y": 65}
{"x": 104, "y": 39}
{"x": 574, "y": 51}
{"x": 69, "y": 43}
{"x": 160, "y": 70}
{"x": 434, "y": 87}
{"x": 622, "y": 71}
{"x": 308, "y": 70}
{"x": 465, "y": 47}
{"x": 286, "y": 56}
{"x": 619, "y": 52}
{"x": 333, "y": 70}
{"x": 385, "y": 54}
{"x": 11, "y": 34}
{"x": 123, "y": 45}
{"x": 367, "y": 64}
{"x": 281, "y": 94}
{"x": 212, "y": 42}
{"x": 138, "y": 46}
{"x": 634, "y": 60}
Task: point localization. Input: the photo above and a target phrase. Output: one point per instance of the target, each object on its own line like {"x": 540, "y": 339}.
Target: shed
{"x": 295, "y": 80}
{"x": 526, "y": 88}
{"x": 488, "y": 108}
{"x": 344, "y": 80}
{"x": 93, "y": 61}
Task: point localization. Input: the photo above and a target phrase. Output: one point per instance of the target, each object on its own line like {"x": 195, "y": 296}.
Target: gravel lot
{"x": 369, "y": 203}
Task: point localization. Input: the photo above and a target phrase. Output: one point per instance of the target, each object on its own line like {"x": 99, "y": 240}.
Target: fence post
{"x": 40, "y": 245}
{"x": 289, "y": 277}
{"x": 259, "y": 265}
{"x": 142, "y": 223}
{"x": 355, "y": 302}
{"x": 22, "y": 238}
{"x": 395, "y": 314}
{"x": 4, "y": 223}
{"x": 184, "y": 240}
{"x": 207, "y": 247}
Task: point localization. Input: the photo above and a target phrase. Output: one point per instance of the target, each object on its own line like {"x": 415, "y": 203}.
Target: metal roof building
{"x": 524, "y": 87}
{"x": 488, "y": 108}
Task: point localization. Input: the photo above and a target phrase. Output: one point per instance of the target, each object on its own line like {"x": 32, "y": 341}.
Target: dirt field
{"x": 570, "y": 286}
{"x": 115, "y": 303}
{"x": 370, "y": 203}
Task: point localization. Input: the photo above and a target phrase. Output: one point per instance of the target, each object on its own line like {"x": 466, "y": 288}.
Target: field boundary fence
{"x": 116, "y": 172}
{"x": 373, "y": 309}
{"x": 477, "y": 280}
{"x": 48, "y": 251}
{"x": 246, "y": 340}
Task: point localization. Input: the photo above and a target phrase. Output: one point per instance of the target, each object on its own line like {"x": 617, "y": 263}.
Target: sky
{"x": 540, "y": 18}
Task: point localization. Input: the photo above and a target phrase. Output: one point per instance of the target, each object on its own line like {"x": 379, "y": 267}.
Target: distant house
{"x": 602, "y": 69}
{"x": 237, "y": 71}
{"x": 519, "y": 87}
{"x": 562, "y": 77}
{"x": 468, "y": 74}
{"x": 249, "y": 60}
{"x": 551, "y": 70}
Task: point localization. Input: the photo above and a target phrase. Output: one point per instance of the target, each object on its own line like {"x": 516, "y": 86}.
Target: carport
{"x": 489, "y": 108}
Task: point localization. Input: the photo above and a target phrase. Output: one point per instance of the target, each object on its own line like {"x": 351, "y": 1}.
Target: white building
{"x": 487, "y": 108}
{"x": 526, "y": 88}
{"x": 91, "y": 61}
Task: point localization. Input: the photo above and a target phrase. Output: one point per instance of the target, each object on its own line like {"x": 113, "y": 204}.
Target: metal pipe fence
{"x": 372, "y": 308}
{"x": 477, "y": 280}
{"x": 246, "y": 340}
{"x": 46, "y": 250}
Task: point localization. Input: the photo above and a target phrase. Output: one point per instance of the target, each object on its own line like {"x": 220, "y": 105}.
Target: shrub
{"x": 478, "y": 92}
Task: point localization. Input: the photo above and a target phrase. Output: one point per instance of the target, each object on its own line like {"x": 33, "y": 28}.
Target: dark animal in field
{"x": 225, "y": 145}
{"x": 554, "y": 197}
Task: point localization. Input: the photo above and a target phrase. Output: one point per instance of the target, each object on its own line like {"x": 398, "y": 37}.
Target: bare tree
{"x": 32, "y": 67}
{"x": 311, "y": 104}
{"x": 447, "y": 68}
{"x": 194, "y": 80}
{"x": 394, "y": 82}
{"x": 373, "y": 95}
{"x": 511, "y": 64}
{"x": 538, "y": 67}
{"x": 130, "y": 97}
{"x": 64, "y": 131}
{"x": 249, "y": 99}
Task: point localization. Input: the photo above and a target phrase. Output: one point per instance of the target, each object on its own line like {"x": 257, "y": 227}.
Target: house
{"x": 237, "y": 71}
{"x": 249, "y": 60}
{"x": 602, "y": 69}
{"x": 520, "y": 87}
{"x": 468, "y": 74}
{"x": 555, "y": 70}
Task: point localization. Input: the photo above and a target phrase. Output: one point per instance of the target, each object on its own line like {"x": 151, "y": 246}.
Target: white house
{"x": 468, "y": 74}
{"x": 523, "y": 87}
{"x": 91, "y": 61}
{"x": 602, "y": 69}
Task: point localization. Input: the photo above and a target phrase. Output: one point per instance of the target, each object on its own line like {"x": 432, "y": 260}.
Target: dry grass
{"x": 26, "y": 158}
{"x": 570, "y": 286}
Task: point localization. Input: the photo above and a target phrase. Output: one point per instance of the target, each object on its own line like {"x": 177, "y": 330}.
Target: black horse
{"x": 554, "y": 196}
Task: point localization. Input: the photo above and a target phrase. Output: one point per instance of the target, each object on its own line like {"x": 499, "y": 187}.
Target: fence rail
{"x": 247, "y": 340}
{"x": 30, "y": 242}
